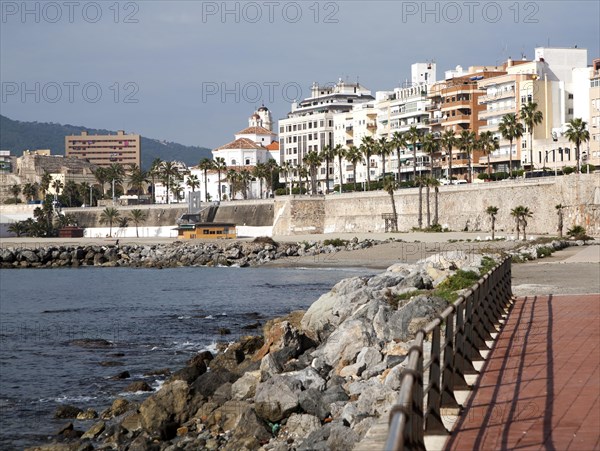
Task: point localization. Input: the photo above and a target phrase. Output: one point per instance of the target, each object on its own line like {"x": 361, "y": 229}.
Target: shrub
{"x": 544, "y": 251}
{"x": 336, "y": 242}
{"x": 484, "y": 176}
{"x": 568, "y": 170}
{"x": 579, "y": 233}
{"x": 585, "y": 168}
{"x": 265, "y": 240}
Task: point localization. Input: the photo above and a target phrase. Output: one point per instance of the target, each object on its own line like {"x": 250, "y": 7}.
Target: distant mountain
{"x": 18, "y": 136}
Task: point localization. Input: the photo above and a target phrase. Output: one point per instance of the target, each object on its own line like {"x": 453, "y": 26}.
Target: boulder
{"x": 67, "y": 411}
{"x": 206, "y": 385}
{"x": 138, "y": 386}
{"x": 88, "y": 414}
{"x": 94, "y": 431}
{"x": 269, "y": 366}
{"x": 346, "y": 342}
{"x": 299, "y": 426}
{"x": 190, "y": 373}
{"x": 168, "y": 406}
{"x": 245, "y": 386}
{"x": 277, "y": 398}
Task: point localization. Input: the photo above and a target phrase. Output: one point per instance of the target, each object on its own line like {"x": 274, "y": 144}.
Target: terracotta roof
{"x": 255, "y": 131}
{"x": 241, "y": 143}
{"x": 273, "y": 146}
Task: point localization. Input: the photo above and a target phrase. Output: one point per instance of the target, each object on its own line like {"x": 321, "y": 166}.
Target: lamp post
{"x": 91, "y": 200}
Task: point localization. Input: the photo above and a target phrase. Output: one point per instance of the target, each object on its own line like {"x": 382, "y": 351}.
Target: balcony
{"x": 503, "y": 94}
{"x": 371, "y": 125}
{"x": 463, "y": 103}
{"x": 457, "y": 118}
{"x": 496, "y": 112}
{"x": 433, "y": 107}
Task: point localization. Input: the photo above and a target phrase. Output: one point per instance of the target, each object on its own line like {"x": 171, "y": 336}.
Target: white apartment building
{"x": 310, "y": 126}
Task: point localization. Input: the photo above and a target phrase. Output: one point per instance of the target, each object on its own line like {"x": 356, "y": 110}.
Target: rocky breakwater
{"x": 178, "y": 253}
{"x": 316, "y": 380}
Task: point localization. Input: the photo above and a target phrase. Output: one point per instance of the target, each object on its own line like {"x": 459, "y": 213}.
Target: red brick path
{"x": 540, "y": 387}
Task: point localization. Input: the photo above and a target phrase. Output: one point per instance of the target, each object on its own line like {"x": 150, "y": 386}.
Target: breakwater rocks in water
{"x": 170, "y": 255}
{"x": 316, "y": 380}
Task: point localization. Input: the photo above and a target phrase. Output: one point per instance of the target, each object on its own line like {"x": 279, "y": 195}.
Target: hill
{"x": 18, "y": 136}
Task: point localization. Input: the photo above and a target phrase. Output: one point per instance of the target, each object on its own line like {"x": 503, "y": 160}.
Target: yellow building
{"x": 206, "y": 230}
{"x": 104, "y": 150}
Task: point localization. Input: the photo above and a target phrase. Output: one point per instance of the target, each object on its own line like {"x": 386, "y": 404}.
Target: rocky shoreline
{"x": 315, "y": 380}
{"x": 176, "y": 254}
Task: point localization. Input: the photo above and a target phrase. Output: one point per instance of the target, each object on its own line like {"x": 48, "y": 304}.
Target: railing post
{"x": 449, "y": 369}
{"x": 433, "y": 419}
{"x": 463, "y": 364}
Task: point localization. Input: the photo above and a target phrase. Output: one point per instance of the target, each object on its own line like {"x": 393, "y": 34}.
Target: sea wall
{"x": 459, "y": 207}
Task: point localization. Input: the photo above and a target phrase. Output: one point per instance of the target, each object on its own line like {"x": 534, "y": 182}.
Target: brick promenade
{"x": 540, "y": 387}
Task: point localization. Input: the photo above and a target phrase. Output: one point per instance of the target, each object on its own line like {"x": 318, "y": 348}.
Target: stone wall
{"x": 460, "y": 207}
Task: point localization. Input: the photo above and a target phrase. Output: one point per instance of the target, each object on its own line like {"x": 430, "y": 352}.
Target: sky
{"x": 194, "y": 71}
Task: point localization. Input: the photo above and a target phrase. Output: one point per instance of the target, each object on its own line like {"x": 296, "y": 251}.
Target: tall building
{"x": 104, "y": 150}
{"x": 309, "y": 125}
{"x": 594, "y": 109}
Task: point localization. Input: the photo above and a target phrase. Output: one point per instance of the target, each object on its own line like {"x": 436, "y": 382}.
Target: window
{"x": 247, "y": 161}
{"x": 570, "y": 96}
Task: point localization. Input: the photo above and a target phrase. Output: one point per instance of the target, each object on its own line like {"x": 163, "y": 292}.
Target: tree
{"x": 108, "y": 216}
{"x": 313, "y": 160}
{"x": 489, "y": 143}
{"x": 15, "y": 190}
{"x": 205, "y": 165}
{"x": 244, "y": 179}
{"x": 431, "y": 146}
{"x": 115, "y": 175}
{"x": 577, "y": 133}
{"x": 287, "y": 169}
{"x": 413, "y": 136}
{"x": 531, "y": 117}
{"x": 45, "y": 183}
{"x": 436, "y": 190}
{"x": 327, "y": 155}
{"x": 420, "y": 182}
{"x": 19, "y": 228}
{"x": 383, "y": 149}
{"x": 521, "y": 213}
{"x": 303, "y": 173}
{"x": 510, "y": 128}
{"x": 232, "y": 178}
{"x": 169, "y": 175}
{"x": 398, "y": 142}
{"x": 367, "y": 148}
{"x": 138, "y": 217}
{"x": 154, "y": 173}
{"x": 57, "y": 185}
{"x": 192, "y": 182}
{"x": 354, "y": 156}
{"x": 389, "y": 185}
{"x": 340, "y": 153}
{"x": 260, "y": 173}
{"x": 272, "y": 168}
{"x": 560, "y": 213}
{"x": 70, "y": 192}
{"x": 30, "y": 190}
{"x": 448, "y": 141}
{"x": 492, "y": 211}
{"x": 467, "y": 141}
{"x": 220, "y": 166}
{"x": 137, "y": 179}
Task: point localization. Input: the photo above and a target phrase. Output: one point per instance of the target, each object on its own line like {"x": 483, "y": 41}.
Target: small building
{"x": 206, "y": 230}
{"x": 70, "y": 232}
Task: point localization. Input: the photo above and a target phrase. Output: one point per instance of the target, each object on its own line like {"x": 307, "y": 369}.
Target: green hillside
{"x": 18, "y": 136}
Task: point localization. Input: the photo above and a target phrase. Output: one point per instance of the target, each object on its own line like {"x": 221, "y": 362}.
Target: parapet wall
{"x": 460, "y": 207}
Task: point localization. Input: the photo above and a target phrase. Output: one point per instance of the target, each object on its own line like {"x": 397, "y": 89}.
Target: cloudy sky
{"x": 193, "y": 71}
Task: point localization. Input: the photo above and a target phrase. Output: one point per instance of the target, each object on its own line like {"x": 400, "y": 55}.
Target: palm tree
{"x": 340, "y": 153}
{"x": 19, "y": 228}
{"x": 436, "y": 190}
{"x": 510, "y": 128}
{"x": 492, "y": 211}
{"x": 169, "y": 175}
{"x": 427, "y": 183}
{"x": 154, "y": 172}
{"x": 367, "y": 148}
{"x": 577, "y": 133}
{"x": 413, "y": 136}
{"x": 260, "y": 172}
{"x": 313, "y": 160}
{"x": 467, "y": 141}
{"x": 287, "y": 168}
{"x": 115, "y": 174}
{"x": 271, "y": 167}
{"x": 389, "y": 185}
{"x": 431, "y": 146}
{"x": 244, "y": 178}
{"x": 448, "y": 141}
{"x": 220, "y": 166}
{"x": 109, "y": 215}
{"x": 327, "y": 155}
{"x": 138, "y": 217}
{"x": 303, "y": 172}
{"x": 206, "y": 164}
{"x": 137, "y": 179}
{"x": 383, "y": 149}
{"x": 488, "y": 143}
{"x": 192, "y": 182}
{"x": 560, "y": 213}
{"x": 354, "y": 156}
{"x": 521, "y": 213}
{"x": 398, "y": 142}
{"x": 71, "y": 190}
{"x": 58, "y": 185}
{"x": 45, "y": 183}
{"x": 232, "y": 177}
{"x": 531, "y": 117}
{"x": 30, "y": 190}
{"x": 15, "y": 190}
{"x": 420, "y": 181}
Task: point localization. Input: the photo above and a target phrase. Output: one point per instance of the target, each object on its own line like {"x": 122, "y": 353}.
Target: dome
{"x": 255, "y": 116}
{"x": 263, "y": 108}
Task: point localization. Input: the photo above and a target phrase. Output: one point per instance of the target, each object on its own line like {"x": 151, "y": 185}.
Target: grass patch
{"x": 544, "y": 251}
{"x": 487, "y": 264}
{"x": 337, "y": 242}
{"x": 459, "y": 281}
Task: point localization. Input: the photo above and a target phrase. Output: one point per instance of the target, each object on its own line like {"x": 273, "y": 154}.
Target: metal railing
{"x": 467, "y": 325}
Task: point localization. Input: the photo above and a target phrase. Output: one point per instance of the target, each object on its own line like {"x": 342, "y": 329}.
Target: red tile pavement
{"x": 540, "y": 387}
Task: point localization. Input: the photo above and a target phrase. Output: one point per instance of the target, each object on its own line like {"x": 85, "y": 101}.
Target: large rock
{"x": 299, "y": 426}
{"x": 346, "y": 342}
{"x": 245, "y": 386}
{"x": 168, "y": 405}
{"x": 277, "y": 398}
{"x": 94, "y": 431}
{"x": 67, "y": 411}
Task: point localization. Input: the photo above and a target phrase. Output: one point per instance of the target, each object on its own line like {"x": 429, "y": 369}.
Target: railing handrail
{"x": 467, "y": 324}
